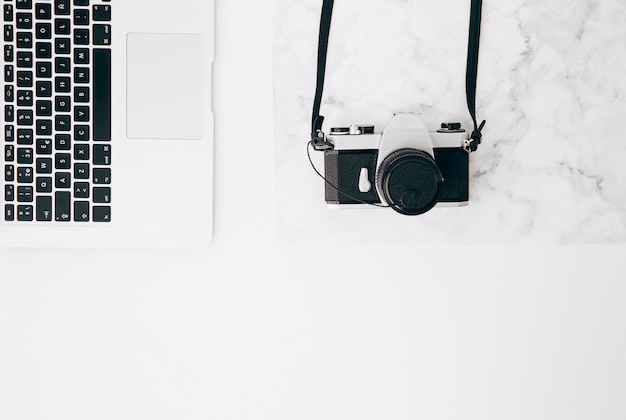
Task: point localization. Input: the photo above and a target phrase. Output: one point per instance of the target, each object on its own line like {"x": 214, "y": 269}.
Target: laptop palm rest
{"x": 165, "y": 86}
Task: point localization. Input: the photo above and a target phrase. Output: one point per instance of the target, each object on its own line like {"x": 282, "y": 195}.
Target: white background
{"x": 248, "y": 329}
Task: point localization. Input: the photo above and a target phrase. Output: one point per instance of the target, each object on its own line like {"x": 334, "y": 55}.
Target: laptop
{"x": 108, "y": 126}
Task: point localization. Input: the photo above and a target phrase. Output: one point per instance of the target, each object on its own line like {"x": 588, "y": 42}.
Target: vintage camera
{"x": 405, "y": 167}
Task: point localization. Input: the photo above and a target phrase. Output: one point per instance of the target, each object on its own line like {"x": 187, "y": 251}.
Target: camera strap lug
{"x": 319, "y": 142}
{"x": 471, "y": 145}
{"x": 318, "y": 138}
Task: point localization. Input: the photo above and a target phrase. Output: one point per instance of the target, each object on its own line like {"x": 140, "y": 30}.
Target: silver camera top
{"x": 404, "y": 130}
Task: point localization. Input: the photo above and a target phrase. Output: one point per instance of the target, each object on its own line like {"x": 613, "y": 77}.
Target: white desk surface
{"x": 248, "y": 329}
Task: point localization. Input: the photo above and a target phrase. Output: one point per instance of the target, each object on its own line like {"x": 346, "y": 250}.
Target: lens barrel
{"x": 410, "y": 181}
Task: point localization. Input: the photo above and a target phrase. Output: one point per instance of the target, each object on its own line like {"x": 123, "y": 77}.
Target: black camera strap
{"x": 318, "y": 139}
{"x": 471, "y": 74}
{"x": 317, "y": 135}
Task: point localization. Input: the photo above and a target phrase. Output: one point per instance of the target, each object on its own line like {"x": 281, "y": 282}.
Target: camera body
{"x": 405, "y": 167}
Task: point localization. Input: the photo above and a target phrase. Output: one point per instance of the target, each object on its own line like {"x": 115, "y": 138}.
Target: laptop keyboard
{"x": 57, "y": 111}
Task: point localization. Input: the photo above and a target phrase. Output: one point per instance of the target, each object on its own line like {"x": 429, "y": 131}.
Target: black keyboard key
{"x": 9, "y": 113}
{"x": 44, "y": 146}
{"x": 24, "y": 194}
{"x": 25, "y": 155}
{"x": 25, "y": 78}
{"x": 9, "y": 193}
{"x": 25, "y": 136}
{"x": 62, "y": 27}
{"x": 9, "y": 173}
{"x": 62, "y": 206}
{"x": 62, "y": 142}
{"x": 43, "y": 166}
{"x": 43, "y": 50}
{"x": 25, "y": 213}
{"x": 44, "y": 127}
{"x": 81, "y": 151}
{"x": 44, "y": 69}
{"x": 62, "y": 7}
{"x": 101, "y": 154}
{"x": 102, "y": 13}
{"x": 81, "y": 190}
{"x": 24, "y": 4}
{"x": 8, "y": 13}
{"x": 24, "y": 175}
{"x": 43, "y": 89}
{"x": 81, "y": 170}
{"x": 81, "y": 36}
{"x": 63, "y": 123}
{"x": 101, "y": 176}
{"x": 81, "y": 94}
{"x": 24, "y": 40}
{"x": 24, "y": 117}
{"x": 81, "y": 114}
{"x": 25, "y": 59}
{"x": 81, "y": 75}
{"x": 43, "y": 184}
{"x": 81, "y": 2}
{"x": 8, "y": 53}
{"x": 102, "y": 94}
{"x": 43, "y": 11}
{"x": 102, "y": 195}
{"x": 9, "y": 133}
{"x": 62, "y": 161}
{"x": 81, "y": 211}
{"x": 62, "y": 104}
{"x": 81, "y": 17}
{"x": 8, "y": 73}
{"x": 102, "y": 214}
{"x": 8, "y": 33}
{"x": 43, "y": 108}
{"x": 62, "y": 64}
{"x": 24, "y": 98}
{"x": 24, "y": 21}
{"x": 62, "y": 46}
{"x": 81, "y": 56}
{"x": 9, "y": 212}
{"x": 9, "y": 153}
{"x": 102, "y": 34}
{"x": 9, "y": 93}
{"x": 62, "y": 85}
{"x": 44, "y": 208}
{"x": 81, "y": 133}
{"x": 43, "y": 31}
{"x": 62, "y": 180}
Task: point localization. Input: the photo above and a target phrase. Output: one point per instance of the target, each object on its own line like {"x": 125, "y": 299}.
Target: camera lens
{"x": 410, "y": 181}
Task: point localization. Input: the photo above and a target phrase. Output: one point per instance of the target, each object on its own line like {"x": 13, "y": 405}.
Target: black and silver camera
{"x": 405, "y": 167}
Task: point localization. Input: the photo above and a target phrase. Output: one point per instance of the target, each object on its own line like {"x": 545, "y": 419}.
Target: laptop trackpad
{"x": 165, "y": 86}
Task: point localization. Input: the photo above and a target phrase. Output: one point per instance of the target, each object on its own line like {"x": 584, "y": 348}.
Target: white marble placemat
{"x": 552, "y": 87}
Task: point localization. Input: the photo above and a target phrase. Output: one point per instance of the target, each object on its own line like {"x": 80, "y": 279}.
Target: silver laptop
{"x": 108, "y": 127}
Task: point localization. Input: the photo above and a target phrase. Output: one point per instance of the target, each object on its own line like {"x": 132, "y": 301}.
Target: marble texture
{"x": 552, "y": 87}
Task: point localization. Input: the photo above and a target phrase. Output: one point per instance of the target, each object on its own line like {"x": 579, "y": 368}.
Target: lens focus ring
{"x": 410, "y": 181}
